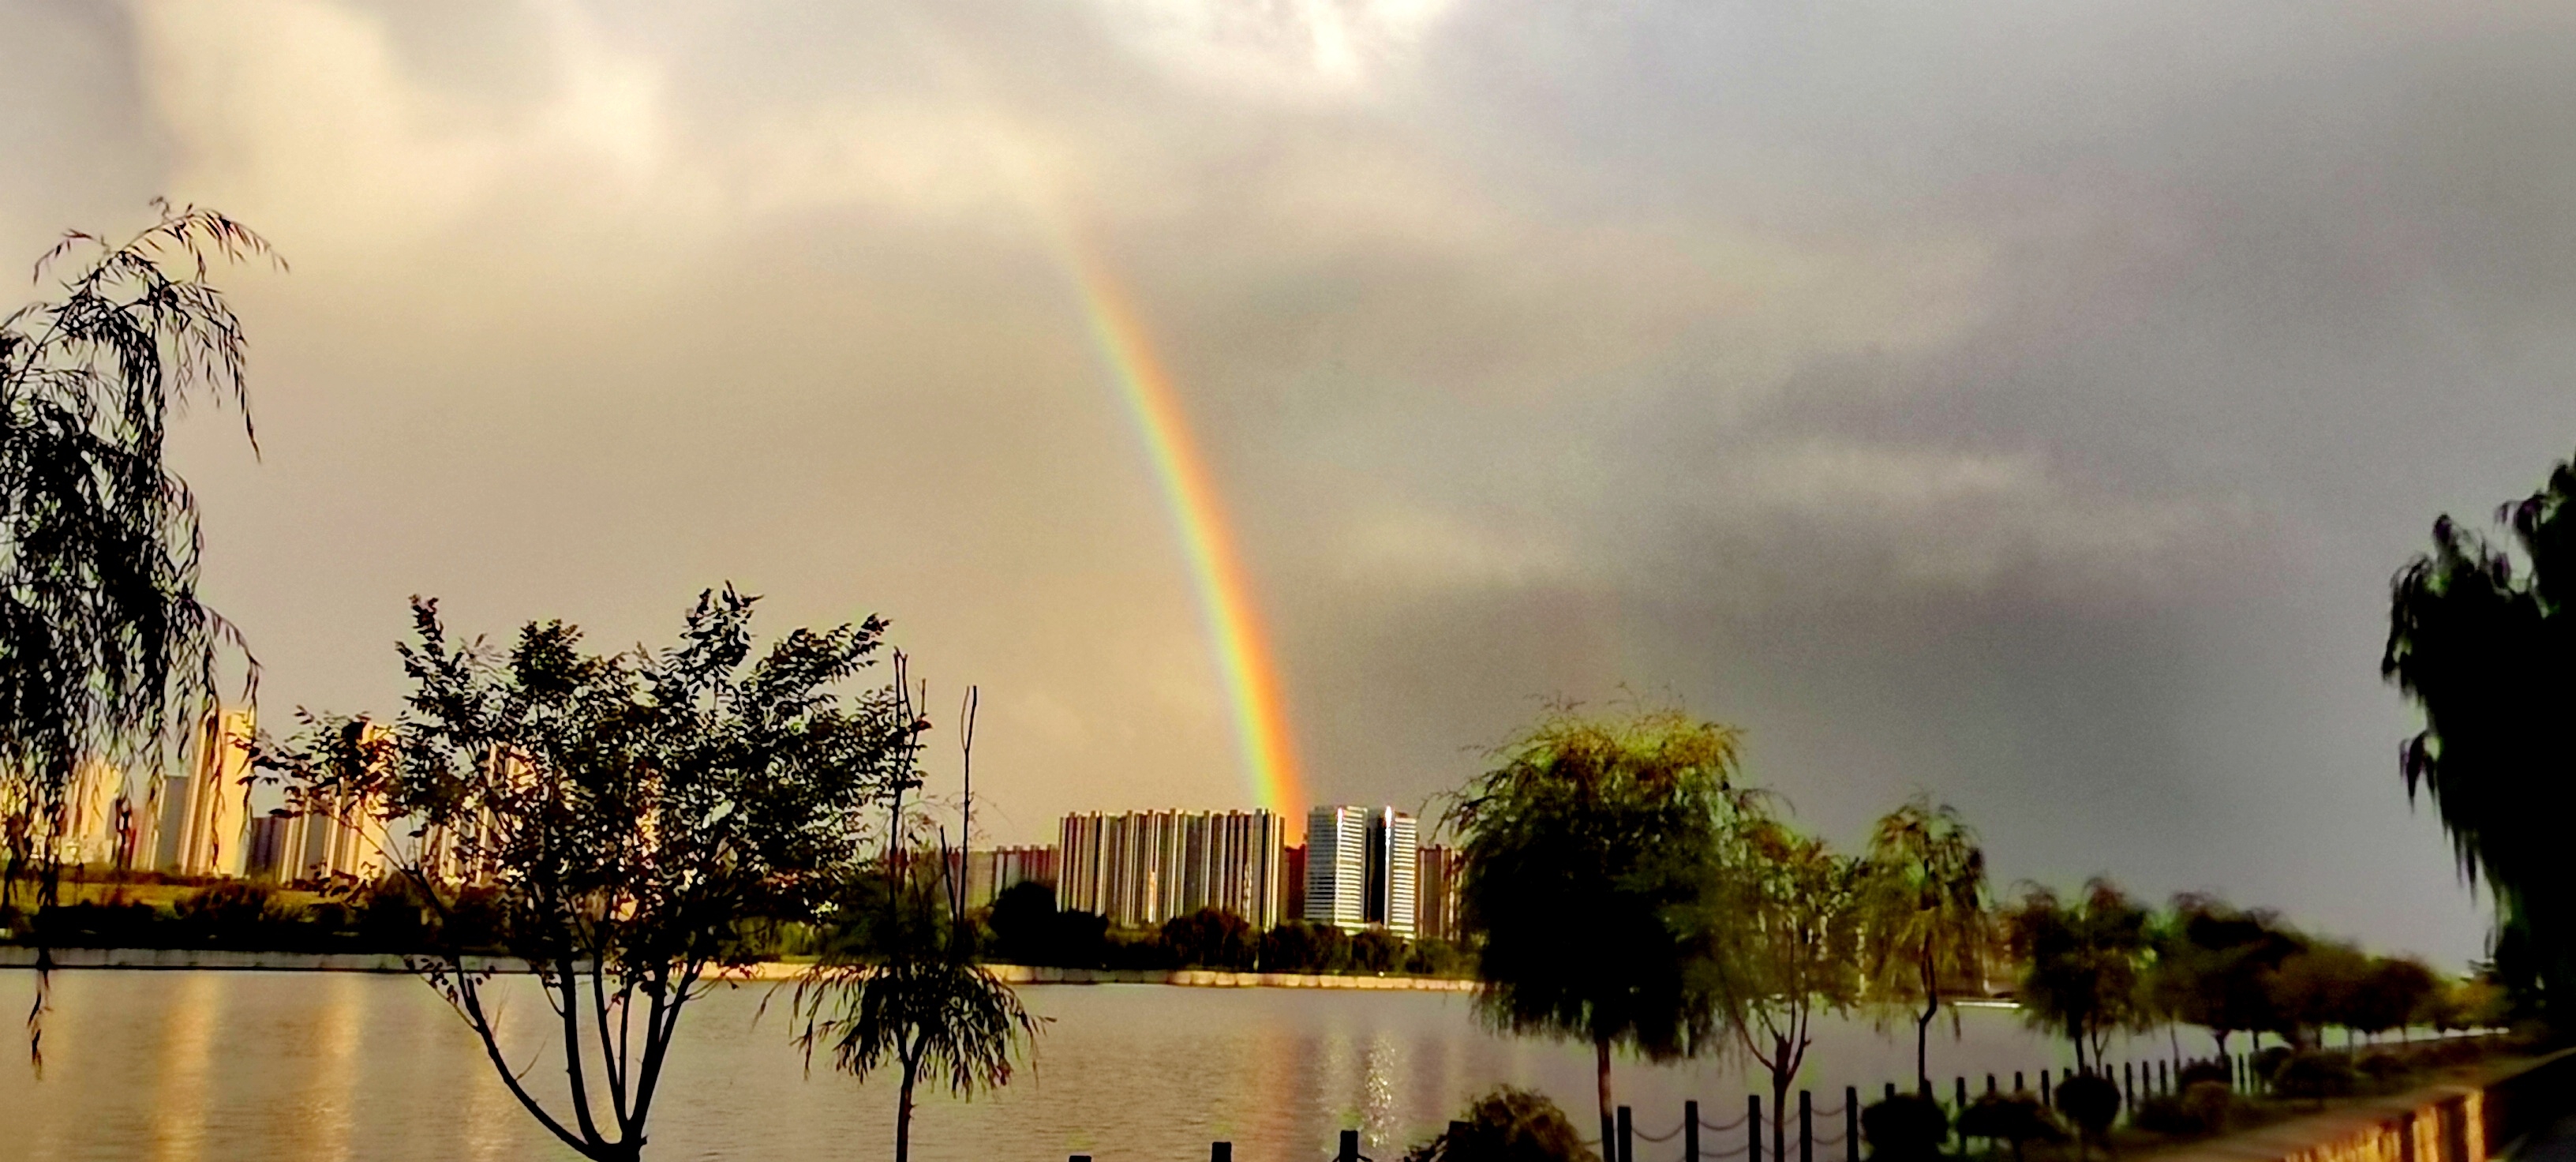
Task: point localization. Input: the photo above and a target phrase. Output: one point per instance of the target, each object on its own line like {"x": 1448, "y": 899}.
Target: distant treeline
{"x": 1022, "y": 927}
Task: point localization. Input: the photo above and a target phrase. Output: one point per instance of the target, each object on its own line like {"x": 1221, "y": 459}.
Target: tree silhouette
{"x": 919, "y": 1001}
{"x": 630, "y": 824}
{"x": 1588, "y": 853}
{"x": 2487, "y": 651}
{"x": 1927, "y": 908}
{"x": 2081, "y": 963}
{"x": 106, "y": 654}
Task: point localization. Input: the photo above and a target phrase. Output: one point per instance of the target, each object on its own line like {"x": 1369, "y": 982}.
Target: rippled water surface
{"x": 327, "y": 1066}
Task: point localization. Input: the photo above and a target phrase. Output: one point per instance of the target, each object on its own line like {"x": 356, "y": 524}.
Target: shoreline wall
{"x": 2472, "y": 1120}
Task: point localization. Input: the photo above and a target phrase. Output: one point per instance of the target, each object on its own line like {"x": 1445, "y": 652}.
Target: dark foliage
{"x": 1507, "y": 1125}
{"x": 2315, "y": 1075}
{"x": 2081, "y": 963}
{"x": 2090, "y": 1101}
{"x": 2014, "y": 1118}
{"x": 1210, "y": 938}
{"x": 2214, "y": 966}
{"x": 106, "y": 654}
{"x": 2487, "y": 651}
{"x": 628, "y": 823}
{"x": 2217, "y": 1072}
{"x": 1588, "y": 857}
{"x": 2201, "y": 1108}
{"x": 1905, "y": 1128}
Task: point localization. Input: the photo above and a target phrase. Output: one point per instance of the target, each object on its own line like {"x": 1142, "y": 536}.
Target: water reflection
{"x": 179, "y": 1108}
{"x": 214, "y": 1067}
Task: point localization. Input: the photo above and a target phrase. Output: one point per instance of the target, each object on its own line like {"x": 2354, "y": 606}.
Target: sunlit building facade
{"x": 1142, "y": 868}
{"x": 1361, "y": 868}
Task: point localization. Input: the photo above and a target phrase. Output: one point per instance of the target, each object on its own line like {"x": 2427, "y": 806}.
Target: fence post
{"x": 1627, "y": 1138}
{"x": 1990, "y": 1083}
{"x": 1690, "y": 1131}
{"x": 1806, "y": 1128}
{"x": 1851, "y": 1123}
{"x": 1350, "y": 1151}
{"x": 2017, "y": 1083}
{"x": 2043, "y": 1091}
{"x": 2164, "y": 1080}
{"x": 1753, "y": 1127}
{"x": 1891, "y": 1091}
{"x": 2128, "y": 1088}
{"x": 1220, "y": 1152}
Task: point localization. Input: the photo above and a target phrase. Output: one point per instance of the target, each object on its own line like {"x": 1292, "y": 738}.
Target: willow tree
{"x": 1590, "y": 857}
{"x": 106, "y": 653}
{"x": 1928, "y": 926}
{"x": 630, "y": 824}
{"x": 2083, "y": 963}
{"x": 1783, "y": 940}
{"x": 2485, "y": 646}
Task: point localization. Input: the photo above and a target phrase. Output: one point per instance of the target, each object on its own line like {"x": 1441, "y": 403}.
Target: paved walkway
{"x": 2555, "y": 1144}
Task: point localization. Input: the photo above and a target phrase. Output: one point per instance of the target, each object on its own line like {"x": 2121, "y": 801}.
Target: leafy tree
{"x": 2213, "y": 967}
{"x": 1024, "y": 923}
{"x": 1377, "y": 950}
{"x": 1791, "y": 913}
{"x": 1209, "y": 938}
{"x": 1507, "y": 1125}
{"x": 1927, "y": 920}
{"x": 1298, "y": 946}
{"x": 106, "y": 653}
{"x": 2320, "y": 986}
{"x": 1588, "y": 854}
{"x": 921, "y": 1003}
{"x": 2392, "y": 992}
{"x": 2485, "y": 647}
{"x": 2081, "y": 963}
{"x": 627, "y": 822}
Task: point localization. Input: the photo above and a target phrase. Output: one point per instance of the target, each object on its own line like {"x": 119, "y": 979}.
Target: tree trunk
{"x": 1780, "y": 1107}
{"x": 1609, "y": 1122}
{"x": 903, "y": 1112}
{"x": 2076, "y": 1033}
{"x": 1923, "y": 1038}
{"x": 1923, "y": 1024}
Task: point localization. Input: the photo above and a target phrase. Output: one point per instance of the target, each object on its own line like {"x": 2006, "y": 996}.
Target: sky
{"x": 2024, "y": 403}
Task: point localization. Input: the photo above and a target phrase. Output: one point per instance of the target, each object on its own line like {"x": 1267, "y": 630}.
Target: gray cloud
{"x": 2022, "y": 401}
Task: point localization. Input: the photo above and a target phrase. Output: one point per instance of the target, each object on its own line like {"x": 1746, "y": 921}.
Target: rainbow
{"x": 1243, "y": 657}
{"x": 1242, "y": 650}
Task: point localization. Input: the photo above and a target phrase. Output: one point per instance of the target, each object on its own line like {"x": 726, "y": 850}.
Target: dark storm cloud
{"x": 2026, "y": 402}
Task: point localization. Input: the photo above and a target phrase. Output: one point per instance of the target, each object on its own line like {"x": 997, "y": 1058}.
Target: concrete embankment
{"x": 177, "y": 959}
{"x": 2474, "y": 1119}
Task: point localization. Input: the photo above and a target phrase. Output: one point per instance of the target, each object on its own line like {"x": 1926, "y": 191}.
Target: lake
{"x": 204, "y": 1066}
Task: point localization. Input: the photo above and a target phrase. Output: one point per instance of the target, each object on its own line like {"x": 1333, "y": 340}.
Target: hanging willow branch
{"x": 105, "y": 652}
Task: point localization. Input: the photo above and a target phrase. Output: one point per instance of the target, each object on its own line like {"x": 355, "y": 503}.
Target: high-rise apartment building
{"x": 202, "y": 818}
{"x": 1361, "y": 868}
{"x": 1436, "y": 910}
{"x": 990, "y": 872}
{"x": 1146, "y": 867}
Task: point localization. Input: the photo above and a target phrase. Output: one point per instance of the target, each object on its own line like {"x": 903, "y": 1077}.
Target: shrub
{"x": 2091, "y": 1101}
{"x": 2383, "y": 1067}
{"x": 2211, "y": 1103}
{"x": 2201, "y": 1108}
{"x": 2017, "y": 1118}
{"x": 2268, "y": 1062}
{"x": 2164, "y": 1114}
{"x": 2314, "y": 1075}
{"x": 1507, "y": 1125}
{"x": 2199, "y": 1071}
{"x": 1905, "y": 1128}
